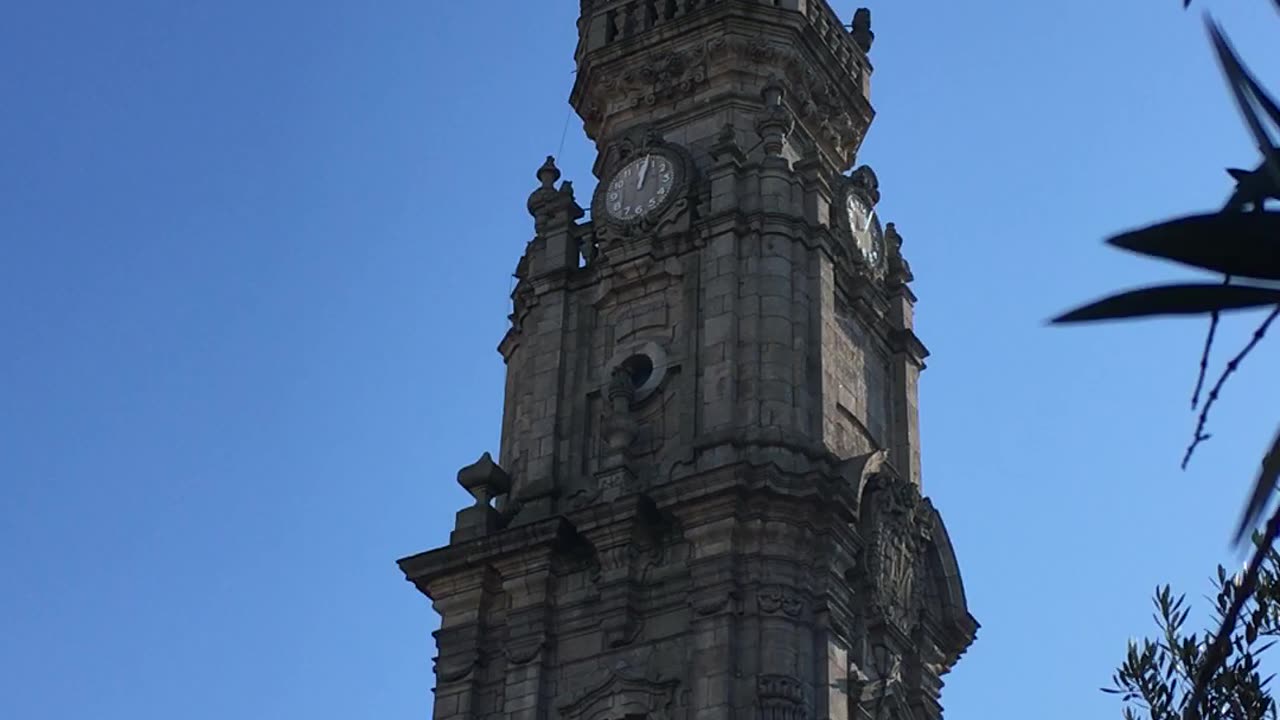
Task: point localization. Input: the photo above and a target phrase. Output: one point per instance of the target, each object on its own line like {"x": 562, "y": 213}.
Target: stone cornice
{"x": 425, "y": 568}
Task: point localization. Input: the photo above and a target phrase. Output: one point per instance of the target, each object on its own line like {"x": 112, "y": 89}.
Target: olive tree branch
{"x": 1227, "y": 372}
{"x": 1217, "y": 652}
{"x": 1204, "y": 356}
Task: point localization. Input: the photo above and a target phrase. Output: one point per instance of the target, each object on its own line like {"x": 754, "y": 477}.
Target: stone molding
{"x": 619, "y": 692}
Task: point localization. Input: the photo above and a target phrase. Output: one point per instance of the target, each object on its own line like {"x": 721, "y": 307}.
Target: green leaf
{"x": 1233, "y": 243}
{"x": 1189, "y": 299}
{"x": 1262, "y": 489}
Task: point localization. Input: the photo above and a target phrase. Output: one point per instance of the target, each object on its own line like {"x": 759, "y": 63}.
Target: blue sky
{"x": 254, "y": 264}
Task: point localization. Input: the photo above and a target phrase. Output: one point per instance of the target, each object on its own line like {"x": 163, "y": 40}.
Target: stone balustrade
{"x": 612, "y": 21}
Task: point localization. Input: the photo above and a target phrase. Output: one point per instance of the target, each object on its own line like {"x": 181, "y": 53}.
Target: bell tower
{"x": 707, "y": 500}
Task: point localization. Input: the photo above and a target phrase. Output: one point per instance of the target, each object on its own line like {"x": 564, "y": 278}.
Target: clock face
{"x": 867, "y": 234}
{"x": 642, "y": 187}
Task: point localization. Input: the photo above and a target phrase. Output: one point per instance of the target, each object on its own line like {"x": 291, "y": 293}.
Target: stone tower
{"x": 707, "y": 500}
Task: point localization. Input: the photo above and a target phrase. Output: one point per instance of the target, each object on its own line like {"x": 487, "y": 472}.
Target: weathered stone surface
{"x": 707, "y": 501}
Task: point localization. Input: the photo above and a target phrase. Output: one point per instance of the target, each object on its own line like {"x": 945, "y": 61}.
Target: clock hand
{"x": 644, "y": 170}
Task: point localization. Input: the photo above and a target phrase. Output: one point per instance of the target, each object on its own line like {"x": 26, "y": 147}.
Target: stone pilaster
{"x": 906, "y": 363}
{"x": 542, "y": 310}
{"x": 613, "y": 535}
{"x": 714, "y": 603}
{"x": 461, "y": 600}
{"x": 527, "y": 583}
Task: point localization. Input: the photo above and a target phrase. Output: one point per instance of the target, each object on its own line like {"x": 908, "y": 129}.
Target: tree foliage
{"x": 1159, "y": 675}
{"x": 1216, "y": 675}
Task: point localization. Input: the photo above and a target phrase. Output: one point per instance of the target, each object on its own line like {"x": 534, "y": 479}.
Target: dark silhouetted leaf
{"x": 1173, "y": 300}
{"x": 1253, "y": 188}
{"x": 1243, "y": 86}
{"x": 1232, "y": 243}
{"x": 1262, "y": 489}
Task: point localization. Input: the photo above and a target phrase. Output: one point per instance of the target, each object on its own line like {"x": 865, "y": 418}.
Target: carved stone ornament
{"x": 667, "y": 75}
{"x": 546, "y": 202}
{"x": 519, "y": 653}
{"x": 899, "y": 269}
{"x": 861, "y": 469}
{"x": 773, "y": 600}
{"x": 781, "y": 697}
{"x": 899, "y": 534}
{"x": 863, "y": 180}
{"x": 622, "y": 692}
{"x": 838, "y": 117}
{"x": 861, "y": 30}
{"x": 484, "y": 480}
{"x": 775, "y": 122}
{"x": 523, "y": 299}
{"x": 645, "y": 181}
{"x": 619, "y": 427}
{"x": 458, "y": 669}
{"x": 713, "y": 601}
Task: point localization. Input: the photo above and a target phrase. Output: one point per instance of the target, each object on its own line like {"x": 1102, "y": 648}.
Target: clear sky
{"x": 254, "y": 264}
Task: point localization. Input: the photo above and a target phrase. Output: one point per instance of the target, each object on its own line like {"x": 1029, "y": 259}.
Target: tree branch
{"x": 1217, "y": 652}
{"x": 1204, "y": 356}
{"x": 1232, "y": 366}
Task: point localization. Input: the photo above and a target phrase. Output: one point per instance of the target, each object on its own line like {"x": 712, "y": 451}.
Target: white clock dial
{"x": 641, "y": 187}
{"x": 868, "y": 237}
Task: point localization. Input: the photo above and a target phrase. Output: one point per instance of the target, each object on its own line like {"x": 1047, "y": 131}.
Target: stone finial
{"x": 861, "y": 30}
{"x": 551, "y": 207}
{"x": 484, "y": 480}
{"x": 545, "y": 195}
{"x": 775, "y": 122}
{"x": 548, "y": 174}
{"x": 899, "y": 269}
